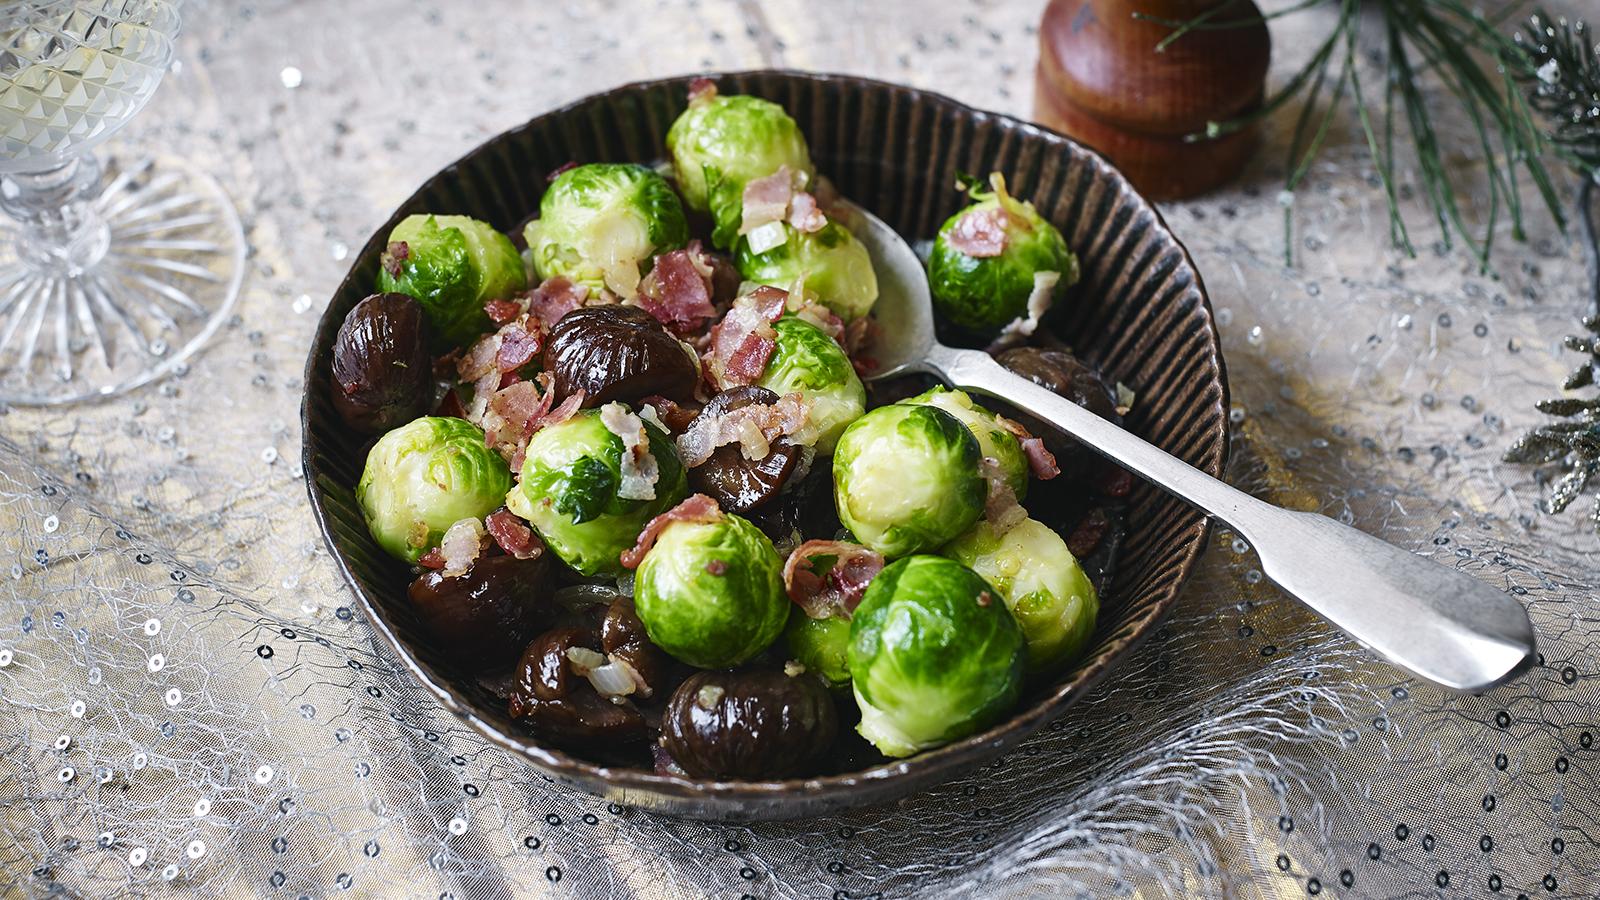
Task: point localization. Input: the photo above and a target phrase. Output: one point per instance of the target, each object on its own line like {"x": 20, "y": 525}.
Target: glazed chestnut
{"x": 1064, "y": 374}
{"x": 750, "y": 724}
{"x": 738, "y": 484}
{"x": 382, "y": 374}
{"x": 618, "y": 352}
{"x": 623, "y": 636}
{"x": 484, "y": 617}
{"x": 561, "y": 704}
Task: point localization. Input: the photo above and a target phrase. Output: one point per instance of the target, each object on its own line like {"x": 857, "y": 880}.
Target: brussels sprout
{"x": 1046, "y": 590}
{"x": 832, "y": 263}
{"x": 821, "y": 645}
{"x": 934, "y": 655}
{"x": 982, "y": 294}
{"x": 452, "y": 265}
{"x": 570, "y": 476}
{"x": 600, "y": 224}
{"x": 710, "y": 592}
{"x": 721, "y": 143}
{"x": 994, "y": 441}
{"x": 425, "y": 476}
{"x": 808, "y": 362}
{"x": 906, "y": 479}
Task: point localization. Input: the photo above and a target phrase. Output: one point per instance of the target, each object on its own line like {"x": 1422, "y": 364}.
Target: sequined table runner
{"x": 191, "y": 704}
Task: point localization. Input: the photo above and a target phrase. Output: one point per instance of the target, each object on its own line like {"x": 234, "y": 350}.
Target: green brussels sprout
{"x": 600, "y": 224}
{"x": 808, "y": 362}
{"x": 832, "y": 264}
{"x": 994, "y": 441}
{"x": 571, "y": 475}
{"x": 906, "y": 479}
{"x": 983, "y": 294}
{"x": 934, "y": 655}
{"x": 821, "y": 645}
{"x": 425, "y": 476}
{"x": 1046, "y": 590}
{"x": 710, "y": 592}
{"x": 453, "y": 265}
{"x": 721, "y": 143}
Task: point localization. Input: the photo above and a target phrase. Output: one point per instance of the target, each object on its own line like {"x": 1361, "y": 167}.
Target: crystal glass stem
{"x": 60, "y": 231}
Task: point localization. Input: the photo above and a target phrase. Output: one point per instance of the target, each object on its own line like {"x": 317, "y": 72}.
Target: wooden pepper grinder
{"x": 1101, "y": 81}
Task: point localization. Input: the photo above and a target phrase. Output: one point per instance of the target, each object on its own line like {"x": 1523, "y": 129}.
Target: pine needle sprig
{"x": 1418, "y": 44}
{"x": 1561, "y": 69}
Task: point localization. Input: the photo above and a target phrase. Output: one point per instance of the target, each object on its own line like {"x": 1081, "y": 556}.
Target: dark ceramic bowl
{"x": 1140, "y": 314}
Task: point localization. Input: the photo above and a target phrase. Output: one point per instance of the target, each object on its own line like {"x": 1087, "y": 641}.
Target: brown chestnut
{"x": 622, "y": 635}
{"x": 738, "y": 484}
{"x": 561, "y": 704}
{"x": 617, "y": 352}
{"x": 484, "y": 617}
{"x": 1065, "y": 374}
{"x": 749, "y": 724}
{"x": 382, "y": 374}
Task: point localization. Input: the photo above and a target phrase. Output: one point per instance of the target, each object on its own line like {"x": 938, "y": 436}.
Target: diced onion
{"x": 766, "y": 237}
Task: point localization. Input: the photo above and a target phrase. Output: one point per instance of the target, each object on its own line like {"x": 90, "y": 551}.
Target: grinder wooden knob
{"x": 1101, "y": 81}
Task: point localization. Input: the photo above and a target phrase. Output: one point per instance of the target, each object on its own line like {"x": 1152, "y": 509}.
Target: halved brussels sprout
{"x": 425, "y": 476}
{"x": 906, "y": 479}
{"x": 934, "y": 655}
{"x": 812, "y": 364}
{"x": 821, "y": 645}
{"x": 600, "y": 224}
{"x": 984, "y": 293}
{"x": 994, "y": 441}
{"x": 452, "y": 265}
{"x": 832, "y": 264}
{"x": 570, "y": 477}
{"x": 1047, "y": 591}
{"x": 721, "y": 143}
{"x": 711, "y": 592}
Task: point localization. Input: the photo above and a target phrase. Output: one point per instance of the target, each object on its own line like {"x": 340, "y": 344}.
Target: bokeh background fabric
{"x": 192, "y": 704}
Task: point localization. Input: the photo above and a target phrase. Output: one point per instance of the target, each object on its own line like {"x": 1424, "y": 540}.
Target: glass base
{"x": 167, "y": 278}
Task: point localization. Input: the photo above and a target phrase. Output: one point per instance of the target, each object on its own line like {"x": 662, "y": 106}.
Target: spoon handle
{"x": 1437, "y": 622}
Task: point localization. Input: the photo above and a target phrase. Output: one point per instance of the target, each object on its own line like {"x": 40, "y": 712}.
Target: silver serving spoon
{"x": 1436, "y": 622}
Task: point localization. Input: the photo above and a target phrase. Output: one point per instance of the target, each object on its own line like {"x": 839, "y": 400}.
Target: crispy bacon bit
{"x": 1040, "y": 459}
{"x": 803, "y": 306}
{"x": 556, "y": 172}
{"x": 701, "y": 90}
{"x": 697, "y": 508}
{"x": 827, "y": 578}
{"x": 860, "y": 335}
{"x": 502, "y": 311}
{"x": 479, "y": 360}
{"x": 563, "y": 411}
{"x": 518, "y": 347}
{"x": 1088, "y": 534}
{"x": 678, "y": 291}
{"x": 754, "y": 427}
{"x": 507, "y": 413}
{"x": 394, "y": 256}
{"x": 433, "y": 559}
{"x": 507, "y": 379}
{"x": 980, "y": 233}
{"x": 674, "y": 417}
{"x": 716, "y": 567}
{"x": 804, "y": 214}
{"x": 513, "y": 535}
{"x": 461, "y": 545}
{"x": 639, "y": 468}
{"x": 742, "y": 343}
{"x": 554, "y": 298}
{"x": 985, "y": 598}
{"x": 1000, "y": 507}
{"x": 766, "y": 200}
